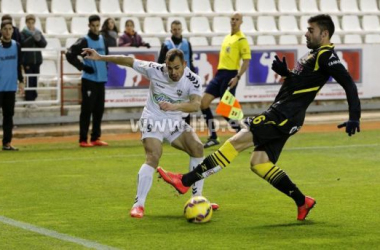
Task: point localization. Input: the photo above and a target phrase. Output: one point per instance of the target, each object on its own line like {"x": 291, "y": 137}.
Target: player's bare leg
{"x": 153, "y": 152}
{"x": 263, "y": 167}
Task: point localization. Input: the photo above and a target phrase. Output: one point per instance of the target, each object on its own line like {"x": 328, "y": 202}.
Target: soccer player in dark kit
{"x": 269, "y": 131}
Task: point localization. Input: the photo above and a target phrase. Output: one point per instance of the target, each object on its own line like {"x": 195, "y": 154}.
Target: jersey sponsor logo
{"x": 6, "y": 58}
{"x": 337, "y": 61}
{"x": 259, "y": 70}
{"x": 163, "y": 98}
{"x": 193, "y": 79}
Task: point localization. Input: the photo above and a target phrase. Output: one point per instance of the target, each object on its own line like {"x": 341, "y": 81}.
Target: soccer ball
{"x": 198, "y": 210}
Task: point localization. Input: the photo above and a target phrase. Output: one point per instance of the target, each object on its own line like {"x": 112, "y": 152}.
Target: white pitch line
{"x": 54, "y": 234}
{"x": 175, "y": 154}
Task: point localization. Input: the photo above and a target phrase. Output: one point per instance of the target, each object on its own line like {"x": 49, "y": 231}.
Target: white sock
{"x": 144, "y": 182}
{"x": 197, "y": 187}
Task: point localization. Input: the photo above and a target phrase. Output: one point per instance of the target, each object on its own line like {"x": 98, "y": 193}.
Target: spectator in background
{"x": 16, "y": 33}
{"x": 176, "y": 41}
{"x": 31, "y": 37}
{"x": 94, "y": 78}
{"x": 10, "y": 71}
{"x": 109, "y": 32}
{"x": 130, "y": 38}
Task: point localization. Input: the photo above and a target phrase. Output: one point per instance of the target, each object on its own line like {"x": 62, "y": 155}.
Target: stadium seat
{"x": 156, "y": 7}
{"x": 70, "y": 69}
{"x": 153, "y": 41}
{"x": 350, "y": 23}
{"x": 371, "y": 23}
{"x": 201, "y": 6}
{"x": 247, "y": 26}
{"x": 56, "y": 26}
{"x": 349, "y": 6}
{"x": 79, "y": 26}
{"x": 308, "y": 6}
{"x": 303, "y": 23}
{"x": 250, "y": 40}
{"x": 352, "y": 38}
{"x": 265, "y": 40}
{"x": 154, "y": 26}
{"x": 85, "y": 7}
{"x": 70, "y": 41}
{"x": 199, "y": 25}
{"x": 52, "y": 43}
{"x": 266, "y": 24}
{"x": 288, "y": 24}
{"x": 198, "y": 41}
{"x": 185, "y": 30}
{"x": 48, "y": 72}
{"x": 223, "y": 6}
{"x": 37, "y": 7}
{"x": 266, "y": 6}
{"x": 61, "y": 7}
{"x": 336, "y": 23}
{"x": 134, "y": 7}
{"x": 328, "y": 6}
{"x": 109, "y": 7}
{"x": 245, "y": 6}
{"x": 135, "y": 20}
{"x": 288, "y": 40}
{"x": 221, "y": 24}
{"x": 287, "y": 7}
{"x": 372, "y": 38}
{"x": 217, "y": 40}
{"x": 179, "y": 7}
{"x": 368, "y": 6}
{"x": 11, "y": 7}
{"x": 37, "y": 24}
{"x": 336, "y": 39}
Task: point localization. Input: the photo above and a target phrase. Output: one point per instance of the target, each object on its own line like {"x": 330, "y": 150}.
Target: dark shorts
{"x": 270, "y": 133}
{"x": 219, "y": 83}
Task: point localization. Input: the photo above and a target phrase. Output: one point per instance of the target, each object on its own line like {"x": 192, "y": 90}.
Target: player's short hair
{"x": 30, "y": 17}
{"x": 5, "y": 22}
{"x": 173, "y": 53}
{"x": 176, "y": 22}
{"x": 6, "y": 17}
{"x": 130, "y": 21}
{"x": 93, "y": 18}
{"x": 324, "y": 22}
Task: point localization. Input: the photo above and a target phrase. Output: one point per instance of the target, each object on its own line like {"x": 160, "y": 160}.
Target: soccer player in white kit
{"x": 173, "y": 89}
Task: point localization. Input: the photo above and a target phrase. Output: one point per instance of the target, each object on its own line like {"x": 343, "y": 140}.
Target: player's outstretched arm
{"x": 117, "y": 59}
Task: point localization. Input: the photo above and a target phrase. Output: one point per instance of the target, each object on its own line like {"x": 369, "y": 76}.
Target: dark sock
{"x": 210, "y": 122}
{"x": 280, "y": 180}
{"x": 234, "y": 124}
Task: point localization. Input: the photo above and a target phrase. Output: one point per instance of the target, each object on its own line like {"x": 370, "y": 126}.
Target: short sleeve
{"x": 142, "y": 67}
{"x": 196, "y": 87}
{"x": 245, "y": 51}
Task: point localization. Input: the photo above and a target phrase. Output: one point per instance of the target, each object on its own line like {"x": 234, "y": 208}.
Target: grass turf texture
{"x": 87, "y": 193}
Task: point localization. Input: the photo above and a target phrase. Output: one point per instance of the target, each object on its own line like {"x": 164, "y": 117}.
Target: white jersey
{"x": 162, "y": 88}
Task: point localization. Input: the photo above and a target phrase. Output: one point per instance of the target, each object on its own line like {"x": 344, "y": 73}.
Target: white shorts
{"x": 162, "y": 129}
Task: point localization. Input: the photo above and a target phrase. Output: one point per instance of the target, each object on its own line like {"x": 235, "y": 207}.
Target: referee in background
{"x": 235, "y": 47}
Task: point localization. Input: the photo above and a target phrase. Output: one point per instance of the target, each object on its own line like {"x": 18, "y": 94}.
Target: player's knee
{"x": 152, "y": 159}
{"x": 196, "y": 150}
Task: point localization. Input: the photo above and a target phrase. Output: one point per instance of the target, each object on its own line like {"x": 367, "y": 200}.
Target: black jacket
{"x": 307, "y": 78}
{"x": 77, "y": 48}
{"x": 29, "y": 40}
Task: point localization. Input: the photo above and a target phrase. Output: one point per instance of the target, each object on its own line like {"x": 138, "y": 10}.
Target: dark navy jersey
{"x": 304, "y": 82}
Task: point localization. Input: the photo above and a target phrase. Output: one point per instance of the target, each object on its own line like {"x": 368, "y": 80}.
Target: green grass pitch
{"x": 87, "y": 193}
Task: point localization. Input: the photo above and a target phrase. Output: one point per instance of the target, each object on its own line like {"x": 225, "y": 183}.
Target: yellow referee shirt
{"x": 234, "y": 48}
